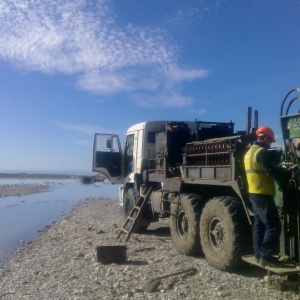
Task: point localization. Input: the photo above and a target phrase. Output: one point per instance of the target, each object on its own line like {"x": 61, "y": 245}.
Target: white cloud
{"x": 84, "y": 143}
{"x": 202, "y": 111}
{"x": 180, "y": 75}
{"x": 84, "y": 129}
{"x": 81, "y": 128}
{"x": 80, "y": 37}
{"x": 187, "y": 12}
{"x": 162, "y": 100}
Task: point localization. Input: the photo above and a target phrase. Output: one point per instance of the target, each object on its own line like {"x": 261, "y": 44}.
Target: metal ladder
{"x": 132, "y": 219}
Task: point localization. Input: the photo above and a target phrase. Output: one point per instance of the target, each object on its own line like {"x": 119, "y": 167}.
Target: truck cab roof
{"x": 158, "y": 125}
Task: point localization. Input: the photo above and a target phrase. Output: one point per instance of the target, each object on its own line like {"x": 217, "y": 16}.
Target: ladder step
{"x": 134, "y": 214}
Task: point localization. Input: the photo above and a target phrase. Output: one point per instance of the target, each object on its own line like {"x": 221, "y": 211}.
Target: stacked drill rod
{"x": 210, "y": 153}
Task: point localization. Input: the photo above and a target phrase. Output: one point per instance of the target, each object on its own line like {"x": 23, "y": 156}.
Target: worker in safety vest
{"x": 267, "y": 225}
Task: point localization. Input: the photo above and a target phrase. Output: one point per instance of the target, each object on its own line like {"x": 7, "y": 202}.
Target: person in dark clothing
{"x": 260, "y": 173}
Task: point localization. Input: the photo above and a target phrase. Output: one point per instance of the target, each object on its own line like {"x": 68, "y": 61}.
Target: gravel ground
{"x": 62, "y": 264}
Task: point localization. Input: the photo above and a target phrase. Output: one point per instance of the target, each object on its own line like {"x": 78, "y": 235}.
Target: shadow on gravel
{"x": 161, "y": 231}
{"x": 136, "y": 263}
{"x": 250, "y": 271}
{"x": 246, "y": 270}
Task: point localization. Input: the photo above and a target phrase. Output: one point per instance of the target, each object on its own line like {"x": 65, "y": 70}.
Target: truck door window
{"x": 128, "y": 160}
{"x": 107, "y": 155}
{"x": 108, "y": 143}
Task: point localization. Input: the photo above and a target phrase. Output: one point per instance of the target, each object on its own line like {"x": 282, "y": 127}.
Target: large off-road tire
{"x": 184, "y": 224}
{"x": 129, "y": 202}
{"x": 225, "y": 232}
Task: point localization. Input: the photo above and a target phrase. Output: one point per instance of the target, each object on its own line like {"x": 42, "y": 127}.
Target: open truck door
{"x": 107, "y": 157}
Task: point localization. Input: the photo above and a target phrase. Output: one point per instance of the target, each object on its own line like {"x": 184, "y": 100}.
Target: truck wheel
{"x": 129, "y": 202}
{"x": 225, "y": 233}
{"x": 184, "y": 224}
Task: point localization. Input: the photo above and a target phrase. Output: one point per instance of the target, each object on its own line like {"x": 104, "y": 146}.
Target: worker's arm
{"x": 266, "y": 161}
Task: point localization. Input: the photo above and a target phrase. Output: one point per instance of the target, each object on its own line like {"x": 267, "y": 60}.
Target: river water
{"x": 21, "y": 218}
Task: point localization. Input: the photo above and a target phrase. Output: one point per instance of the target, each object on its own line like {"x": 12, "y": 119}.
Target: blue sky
{"x": 69, "y": 69}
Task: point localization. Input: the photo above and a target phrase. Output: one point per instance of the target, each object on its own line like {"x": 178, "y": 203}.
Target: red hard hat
{"x": 267, "y": 131}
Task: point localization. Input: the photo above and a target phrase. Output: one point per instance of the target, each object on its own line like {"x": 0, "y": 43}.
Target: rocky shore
{"x": 24, "y": 188}
{"x": 38, "y": 176}
{"x": 62, "y": 264}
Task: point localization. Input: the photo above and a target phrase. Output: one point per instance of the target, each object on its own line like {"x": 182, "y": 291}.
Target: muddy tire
{"x": 184, "y": 224}
{"x": 225, "y": 232}
{"x": 129, "y": 202}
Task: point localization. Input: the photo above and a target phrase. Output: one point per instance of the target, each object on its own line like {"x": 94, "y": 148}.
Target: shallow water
{"x": 22, "y": 217}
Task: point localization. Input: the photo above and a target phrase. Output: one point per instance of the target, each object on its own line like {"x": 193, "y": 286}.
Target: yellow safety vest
{"x": 258, "y": 181}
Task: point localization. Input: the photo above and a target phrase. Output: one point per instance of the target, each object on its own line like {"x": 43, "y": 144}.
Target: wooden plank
{"x": 281, "y": 270}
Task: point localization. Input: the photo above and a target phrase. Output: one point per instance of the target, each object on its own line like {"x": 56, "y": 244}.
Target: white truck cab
{"x": 122, "y": 166}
